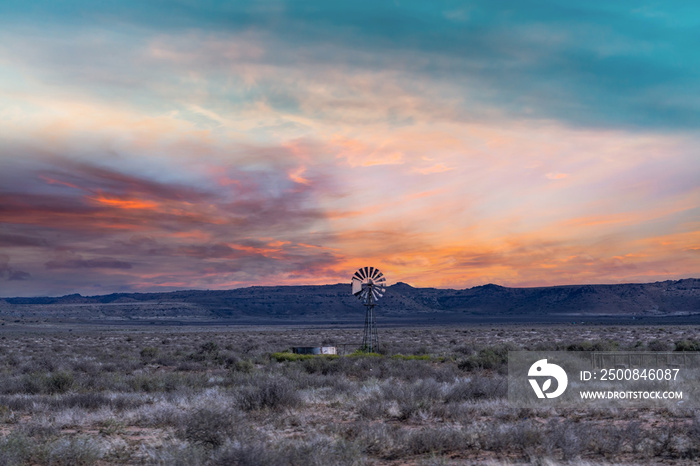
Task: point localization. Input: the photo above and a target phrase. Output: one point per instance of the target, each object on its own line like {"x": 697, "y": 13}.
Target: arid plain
{"x": 231, "y": 395}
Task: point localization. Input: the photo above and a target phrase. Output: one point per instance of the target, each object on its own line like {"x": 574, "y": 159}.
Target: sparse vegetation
{"x": 431, "y": 396}
{"x": 688, "y": 345}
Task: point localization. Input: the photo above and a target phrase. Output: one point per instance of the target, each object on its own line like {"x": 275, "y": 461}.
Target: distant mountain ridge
{"x": 671, "y": 297}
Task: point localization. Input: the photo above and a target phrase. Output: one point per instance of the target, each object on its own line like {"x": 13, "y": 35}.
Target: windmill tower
{"x": 368, "y": 285}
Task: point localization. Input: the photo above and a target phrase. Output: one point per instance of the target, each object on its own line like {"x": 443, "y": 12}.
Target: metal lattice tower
{"x": 368, "y": 285}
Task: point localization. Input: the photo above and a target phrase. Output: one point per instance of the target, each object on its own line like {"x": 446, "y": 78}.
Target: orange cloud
{"x": 125, "y": 203}
{"x": 295, "y": 175}
{"x": 267, "y": 252}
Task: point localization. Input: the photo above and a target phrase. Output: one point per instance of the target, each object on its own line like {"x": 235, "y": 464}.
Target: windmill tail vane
{"x": 368, "y": 285}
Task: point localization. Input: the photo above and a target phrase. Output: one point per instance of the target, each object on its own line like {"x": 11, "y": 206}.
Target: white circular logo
{"x": 541, "y": 369}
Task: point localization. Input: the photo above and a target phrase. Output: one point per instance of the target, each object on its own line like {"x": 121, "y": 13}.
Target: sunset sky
{"x": 154, "y": 146}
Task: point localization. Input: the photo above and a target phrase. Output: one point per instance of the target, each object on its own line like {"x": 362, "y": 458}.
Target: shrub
{"x": 488, "y": 358}
{"x": 476, "y": 388}
{"x": 525, "y": 435}
{"x": 174, "y": 453}
{"x": 363, "y": 354}
{"x": 599, "y": 345}
{"x": 377, "y": 439}
{"x": 268, "y": 393}
{"x": 13, "y": 403}
{"x": 316, "y": 452}
{"x": 570, "y": 437}
{"x": 413, "y": 397}
{"x": 39, "y": 431}
{"x": 324, "y": 364}
{"x": 209, "y": 427}
{"x": 33, "y": 383}
{"x": 687, "y": 345}
{"x": 283, "y": 357}
{"x": 438, "y": 440}
{"x": 659, "y": 345}
{"x": 149, "y": 352}
{"x": 74, "y": 452}
{"x": 465, "y": 349}
{"x": 87, "y": 367}
{"x": 412, "y": 357}
{"x": 243, "y": 365}
{"x": 209, "y": 347}
{"x": 372, "y": 408}
{"x": 111, "y": 426}
{"x": 59, "y": 382}
{"x": 16, "y": 449}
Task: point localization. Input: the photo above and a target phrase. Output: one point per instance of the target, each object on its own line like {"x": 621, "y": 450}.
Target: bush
{"x": 374, "y": 438}
{"x": 268, "y": 393}
{"x": 372, "y": 408}
{"x": 687, "y": 345}
{"x": 74, "y": 452}
{"x": 149, "y": 352}
{"x": 38, "y": 431}
{"x": 59, "y": 382}
{"x": 476, "y": 388}
{"x": 283, "y": 357}
{"x": 599, "y": 345}
{"x": 33, "y": 384}
{"x": 209, "y": 427}
{"x": 659, "y": 345}
{"x": 570, "y": 437}
{"x": 491, "y": 358}
{"x": 363, "y": 354}
{"x": 16, "y": 449}
{"x": 316, "y": 452}
{"x": 412, "y": 357}
{"x": 326, "y": 364}
{"x": 243, "y": 365}
{"x": 427, "y": 440}
{"x": 14, "y": 403}
{"x": 209, "y": 347}
{"x": 90, "y": 401}
{"x": 413, "y": 397}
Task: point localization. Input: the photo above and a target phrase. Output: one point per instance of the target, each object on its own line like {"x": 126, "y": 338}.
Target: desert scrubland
{"x": 232, "y": 396}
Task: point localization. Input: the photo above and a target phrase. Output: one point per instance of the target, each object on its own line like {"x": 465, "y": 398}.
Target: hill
{"x": 328, "y": 303}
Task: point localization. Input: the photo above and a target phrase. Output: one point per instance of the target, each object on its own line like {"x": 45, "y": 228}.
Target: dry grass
{"x": 217, "y": 397}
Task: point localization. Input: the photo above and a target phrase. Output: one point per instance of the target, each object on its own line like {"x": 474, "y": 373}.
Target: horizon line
{"x": 348, "y": 284}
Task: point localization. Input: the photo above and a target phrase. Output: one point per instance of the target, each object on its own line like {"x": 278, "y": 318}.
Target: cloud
{"x": 18, "y": 275}
{"x": 96, "y": 263}
{"x": 581, "y": 62}
{"x": 14, "y": 240}
{"x": 10, "y": 273}
{"x": 211, "y": 145}
{"x": 96, "y": 219}
{"x": 84, "y": 197}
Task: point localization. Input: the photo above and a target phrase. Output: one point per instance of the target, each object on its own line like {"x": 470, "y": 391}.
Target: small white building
{"x": 315, "y": 350}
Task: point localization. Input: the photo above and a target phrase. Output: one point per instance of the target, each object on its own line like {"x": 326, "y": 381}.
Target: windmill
{"x": 368, "y": 285}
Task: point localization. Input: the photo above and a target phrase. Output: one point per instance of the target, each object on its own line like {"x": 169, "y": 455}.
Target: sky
{"x": 163, "y": 145}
